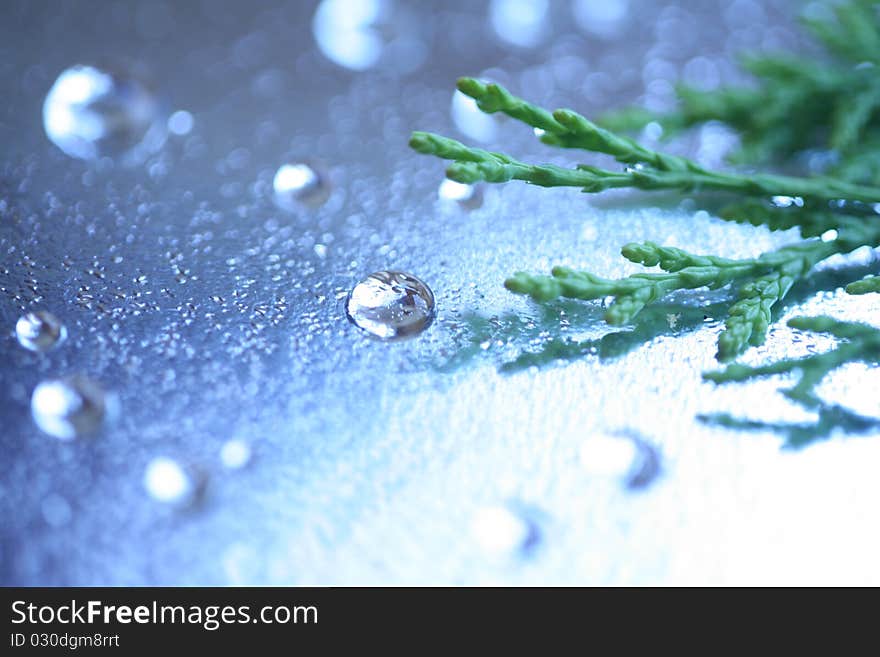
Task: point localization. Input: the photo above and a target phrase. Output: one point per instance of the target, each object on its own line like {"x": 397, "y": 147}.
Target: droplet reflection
{"x": 68, "y": 408}
{"x": 469, "y": 197}
{"x": 625, "y": 456}
{"x": 300, "y": 184}
{"x": 235, "y": 454}
{"x": 471, "y": 120}
{"x": 39, "y": 331}
{"x": 519, "y": 22}
{"x": 359, "y": 34}
{"x": 167, "y": 481}
{"x": 391, "y": 304}
{"x": 504, "y": 532}
{"x": 91, "y": 113}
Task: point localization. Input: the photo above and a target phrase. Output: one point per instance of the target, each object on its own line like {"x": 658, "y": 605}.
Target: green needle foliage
{"x": 798, "y": 104}
{"x": 864, "y": 286}
{"x": 860, "y": 342}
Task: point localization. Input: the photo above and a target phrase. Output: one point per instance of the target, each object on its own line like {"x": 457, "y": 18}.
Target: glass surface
{"x": 500, "y": 445}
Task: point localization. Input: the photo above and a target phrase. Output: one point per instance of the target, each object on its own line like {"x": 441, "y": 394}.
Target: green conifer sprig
{"x": 864, "y": 286}
{"x": 799, "y": 105}
{"x": 859, "y": 343}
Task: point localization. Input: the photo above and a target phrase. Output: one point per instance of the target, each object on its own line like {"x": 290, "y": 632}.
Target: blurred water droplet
{"x": 652, "y": 131}
{"x": 519, "y": 22}
{"x": 360, "y": 34}
{"x": 56, "y": 510}
{"x": 167, "y": 481}
{"x": 391, "y": 304}
{"x": 180, "y": 123}
{"x": 469, "y": 197}
{"x": 505, "y": 532}
{"x": 601, "y": 17}
{"x": 69, "y": 408}
{"x": 632, "y": 460}
{"x": 787, "y": 201}
{"x": 235, "y": 454}
{"x": 472, "y": 122}
{"x": 829, "y": 235}
{"x": 91, "y": 113}
{"x": 300, "y": 184}
{"x": 39, "y": 331}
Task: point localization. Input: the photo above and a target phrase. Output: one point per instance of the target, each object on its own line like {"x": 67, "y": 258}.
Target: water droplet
{"x": 91, "y": 113}
{"x": 787, "y": 201}
{"x": 519, "y": 22}
{"x": 829, "y": 235}
{"x": 300, "y": 184}
{"x": 503, "y": 532}
{"x": 471, "y": 120}
{"x": 56, "y": 510}
{"x": 634, "y": 168}
{"x": 167, "y": 481}
{"x": 180, "y": 123}
{"x": 235, "y": 454}
{"x": 360, "y": 34}
{"x": 69, "y": 408}
{"x": 391, "y": 304}
{"x": 601, "y": 17}
{"x": 652, "y": 131}
{"x": 39, "y": 331}
{"x": 628, "y": 457}
{"x": 469, "y": 197}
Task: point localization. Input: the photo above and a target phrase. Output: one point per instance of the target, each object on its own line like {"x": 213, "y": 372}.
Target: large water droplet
{"x": 300, "y": 184}
{"x": 167, "y": 481}
{"x": 91, "y": 113}
{"x": 391, "y": 304}
{"x": 631, "y": 459}
{"x": 359, "y": 34}
{"x": 39, "y": 331}
{"x": 504, "y": 532}
{"x": 69, "y": 408}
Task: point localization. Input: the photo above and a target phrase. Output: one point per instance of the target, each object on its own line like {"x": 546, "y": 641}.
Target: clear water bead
{"x": 300, "y": 184}
{"x": 91, "y": 113}
{"x": 69, "y": 408}
{"x": 391, "y": 304}
{"x": 39, "y": 331}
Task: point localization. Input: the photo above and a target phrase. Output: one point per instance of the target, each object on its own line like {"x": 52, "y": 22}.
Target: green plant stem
{"x": 860, "y": 342}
